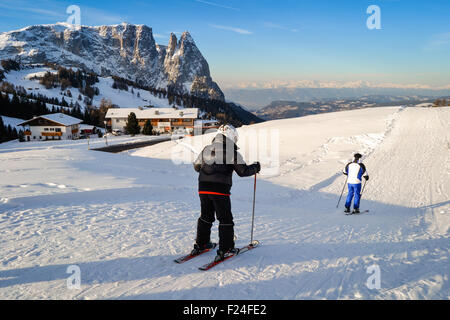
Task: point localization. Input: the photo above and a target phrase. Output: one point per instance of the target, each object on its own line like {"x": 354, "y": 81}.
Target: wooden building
{"x": 55, "y": 126}
{"x": 162, "y": 119}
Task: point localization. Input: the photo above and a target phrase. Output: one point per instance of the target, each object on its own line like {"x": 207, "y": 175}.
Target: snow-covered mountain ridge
{"x": 124, "y": 50}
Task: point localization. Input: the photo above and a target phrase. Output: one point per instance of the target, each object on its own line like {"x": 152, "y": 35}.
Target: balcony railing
{"x": 182, "y": 123}
{"x": 51, "y": 134}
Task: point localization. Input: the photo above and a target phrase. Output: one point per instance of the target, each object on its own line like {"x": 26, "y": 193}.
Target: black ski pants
{"x": 220, "y": 206}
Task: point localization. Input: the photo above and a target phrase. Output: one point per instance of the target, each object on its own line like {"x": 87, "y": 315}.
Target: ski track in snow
{"x": 123, "y": 220}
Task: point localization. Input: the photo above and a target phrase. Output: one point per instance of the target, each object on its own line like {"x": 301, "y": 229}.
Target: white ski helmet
{"x": 229, "y": 131}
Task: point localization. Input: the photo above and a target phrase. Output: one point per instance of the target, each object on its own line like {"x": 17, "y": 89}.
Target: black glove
{"x": 366, "y": 177}
{"x": 257, "y": 166}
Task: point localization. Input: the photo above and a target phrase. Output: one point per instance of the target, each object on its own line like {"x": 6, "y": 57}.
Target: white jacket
{"x": 355, "y": 171}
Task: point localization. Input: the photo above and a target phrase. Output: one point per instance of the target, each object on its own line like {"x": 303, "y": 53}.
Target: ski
{"x": 191, "y": 256}
{"x": 352, "y": 213}
{"x": 241, "y": 250}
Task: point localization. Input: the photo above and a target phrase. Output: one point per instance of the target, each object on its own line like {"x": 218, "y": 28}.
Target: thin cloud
{"x": 440, "y": 39}
{"x": 57, "y": 11}
{"x": 280, "y": 27}
{"x": 94, "y": 16}
{"x": 20, "y": 6}
{"x": 237, "y": 30}
{"x": 217, "y": 5}
{"x": 298, "y": 84}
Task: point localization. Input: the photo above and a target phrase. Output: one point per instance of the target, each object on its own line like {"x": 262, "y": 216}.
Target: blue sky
{"x": 262, "y": 41}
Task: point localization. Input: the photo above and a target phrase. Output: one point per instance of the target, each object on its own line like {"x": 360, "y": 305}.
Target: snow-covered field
{"x": 123, "y": 218}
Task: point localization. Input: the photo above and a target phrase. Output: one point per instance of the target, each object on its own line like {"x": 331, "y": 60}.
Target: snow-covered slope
{"x": 27, "y": 81}
{"x": 26, "y": 78}
{"x": 123, "y": 219}
{"x": 13, "y": 122}
{"x": 124, "y": 50}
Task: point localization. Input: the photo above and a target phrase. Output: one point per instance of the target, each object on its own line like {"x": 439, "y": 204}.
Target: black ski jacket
{"x": 216, "y": 164}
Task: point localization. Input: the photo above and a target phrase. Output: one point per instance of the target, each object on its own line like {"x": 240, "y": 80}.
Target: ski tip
{"x": 354, "y": 213}
{"x": 180, "y": 260}
{"x": 255, "y": 243}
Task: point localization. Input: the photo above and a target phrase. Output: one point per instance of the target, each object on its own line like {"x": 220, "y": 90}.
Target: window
{"x": 45, "y": 129}
{"x": 58, "y": 130}
{"x": 52, "y": 129}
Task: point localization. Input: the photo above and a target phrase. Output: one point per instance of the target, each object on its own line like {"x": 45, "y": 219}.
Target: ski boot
{"x": 199, "y": 248}
{"x": 221, "y": 255}
{"x": 356, "y": 211}
{"x": 347, "y": 210}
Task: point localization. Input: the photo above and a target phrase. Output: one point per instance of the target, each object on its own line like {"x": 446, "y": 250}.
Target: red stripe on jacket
{"x": 214, "y": 193}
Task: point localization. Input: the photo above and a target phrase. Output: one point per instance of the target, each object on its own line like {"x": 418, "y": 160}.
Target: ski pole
{"x": 342, "y": 192}
{"x": 253, "y": 213}
{"x": 362, "y": 191}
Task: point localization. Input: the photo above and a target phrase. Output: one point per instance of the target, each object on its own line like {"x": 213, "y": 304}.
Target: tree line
{"x": 68, "y": 78}
{"x": 25, "y": 108}
{"x": 442, "y": 103}
{"x": 132, "y": 126}
{"x": 8, "y": 133}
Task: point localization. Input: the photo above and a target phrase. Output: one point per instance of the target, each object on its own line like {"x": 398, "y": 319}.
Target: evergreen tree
{"x": 132, "y": 125}
{"x": 148, "y": 128}
{"x": 437, "y": 102}
{"x": 21, "y": 136}
{"x": 2, "y": 131}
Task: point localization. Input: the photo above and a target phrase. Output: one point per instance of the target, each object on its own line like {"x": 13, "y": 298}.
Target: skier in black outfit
{"x": 216, "y": 164}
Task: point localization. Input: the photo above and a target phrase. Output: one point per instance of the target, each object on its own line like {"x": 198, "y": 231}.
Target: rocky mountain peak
{"x": 187, "y": 38}
{"x": 124, "y": 50}
{"x": 172, "y": 45}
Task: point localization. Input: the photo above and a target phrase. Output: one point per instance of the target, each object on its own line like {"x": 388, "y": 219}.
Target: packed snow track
{"x": 123, "y": 218}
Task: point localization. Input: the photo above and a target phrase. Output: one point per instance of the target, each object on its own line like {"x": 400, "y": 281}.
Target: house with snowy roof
{"x": 162, "y": 119}
{"x": 55, "y": 126}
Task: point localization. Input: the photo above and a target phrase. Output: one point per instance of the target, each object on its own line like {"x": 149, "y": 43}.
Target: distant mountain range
{"x": 255, "y": 99}
{"x": 293, "y": 109}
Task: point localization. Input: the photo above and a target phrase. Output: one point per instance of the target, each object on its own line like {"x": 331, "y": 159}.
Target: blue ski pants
{"x": 354, "y": 190}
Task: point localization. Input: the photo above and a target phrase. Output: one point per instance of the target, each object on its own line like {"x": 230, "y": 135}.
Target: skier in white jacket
{"x": 354, "y": 171}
